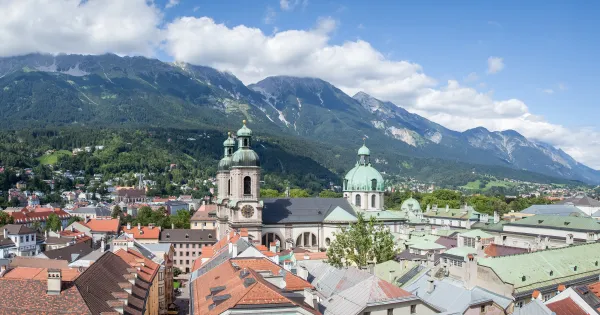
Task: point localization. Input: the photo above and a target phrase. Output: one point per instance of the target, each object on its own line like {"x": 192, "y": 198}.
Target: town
{"x": 231, "y": 249}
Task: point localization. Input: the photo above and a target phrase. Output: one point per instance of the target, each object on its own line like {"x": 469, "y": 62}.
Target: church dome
{"x": 363, "y": 178}
{"x": 245, "y": 157}
{"x": 364, "y": 150}
{"x": 229, "y": 142}
{"x": 411, "y": 204}
{"x": 244, "y": 131}
{"x": 225, "y": 164}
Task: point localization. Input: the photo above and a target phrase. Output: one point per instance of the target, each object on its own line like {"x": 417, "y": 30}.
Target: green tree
{"x": 176, "y": 272}
{"x": 5, "y": 218}
{"x": 73, "y": 219}
{"x": 116, "y": 212}
{"x": 37, "y": 226}
{"x": 330, "y": 194}
{"x": 181, "y": 220}
{"x": 299, "y": 193}
{"x": 53, "y": 223}
{"x": 269, "y": 193}
{"x": 360, "y": 243}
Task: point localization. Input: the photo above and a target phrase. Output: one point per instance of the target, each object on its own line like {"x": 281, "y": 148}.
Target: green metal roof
{"x": 476, "y": 233}
{"x": 338, "y": 214}
{"x": 415, "y": 239}
{"x": 229, "y": 142}
{"x": 440, "y": 232}
{"x": 560, "y": 222}
{"x": 427, "y": 246}
{"x": 244, "y": 131}
{"x": 391, "y": 270}
{"x": 224, "y": 164}
{"x": 461, "y": 251}
{"x": 450, "y": 213}
{"x": 245, "y": 157}
{"x": 547, "y": 267}
{"x": 382, "y": 215}
{"x": 498, "y": 227}
{"x": 406, "y": 205}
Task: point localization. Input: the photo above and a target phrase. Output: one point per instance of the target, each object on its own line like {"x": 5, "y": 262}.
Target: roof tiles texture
{"x": 496, "y": 250}
{"x": 293, "y": 282}
{"x": 143, "y": 232}
{"x": 25, "y": 296}
{"x": 566, "y": 307}
{"x": 99, "y": 225}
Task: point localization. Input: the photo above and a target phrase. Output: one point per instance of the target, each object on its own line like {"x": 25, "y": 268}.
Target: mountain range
{"x": 39, "y": 90}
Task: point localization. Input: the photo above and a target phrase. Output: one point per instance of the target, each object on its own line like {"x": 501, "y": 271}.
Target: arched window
{"x": 328, "y": 242}
{"x": 357, "y": 200}
{"x": 247, "y": 185}
{"x": 373, "y": 184}
{"x": 306, "y": 239}
{"x": 373, "y": 198}
{"x": 345, "y": 184}
{"x": 245, "y": 142}
{"x": 229, "y": 187}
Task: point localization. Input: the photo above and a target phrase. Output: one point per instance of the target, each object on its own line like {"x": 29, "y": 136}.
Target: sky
{"x": 530, "y": 65}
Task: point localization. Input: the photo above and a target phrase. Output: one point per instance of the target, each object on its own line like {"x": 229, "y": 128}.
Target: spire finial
{"x": 364, "y": 141}
{"x": 229, "y": 133}
{"x": 244, "y": 122}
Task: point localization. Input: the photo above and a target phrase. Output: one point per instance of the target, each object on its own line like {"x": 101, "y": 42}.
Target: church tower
{"x": 244, "y": 188}
{"x": 224, "y": 186}
{"x": 363, "y": 185}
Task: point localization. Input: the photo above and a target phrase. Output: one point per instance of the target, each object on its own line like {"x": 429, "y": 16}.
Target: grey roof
{"x": 580, "y": 200}
{"x": 559, "y": 209}
{"x": 301, "y": 210}
{"x": 70, "y": 253}
{"x": 596, "y": 214}
{"x": 407, "y": 255}
{"x": 448, "y": 242}
{"x": 535, "y": 307}
{"x": 18, "y": 229}
{"x": 188, "y": 235}
{"x": 329, "y": 280}
{"x": 160, "y": 247}
{"x": 98, "y": 211}
{"x": 6, "y": 242}
{"x": 452, "y": 296}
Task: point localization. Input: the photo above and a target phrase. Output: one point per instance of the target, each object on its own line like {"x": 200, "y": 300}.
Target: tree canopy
{"x": 53, "y": 223}
{"x": 360, "y": 243}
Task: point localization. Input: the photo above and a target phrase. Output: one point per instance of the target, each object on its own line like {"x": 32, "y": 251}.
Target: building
{"x": 32, "y": 217}
{"x": 69, "y": 253}
{"x": 294, "y": 222}
{"x": 187, "y": 245}
{"x": 558, "y": 209}
{"x": 19, "y": 240}
{"x": 98, "y": 229}
{"x": 175, "y": 205}
{"x": 148, "y": 272}
{"x": 144, "y": 234}
{"x": 109, "y": 286}
{"x": 353, "y": 291}
{"x": 585, "y": 203}
{"x": 204, "y": 218}
{"x": 92, "y": 213}
{"x": 464, "y": 217}
{"x": 130, "y": 195}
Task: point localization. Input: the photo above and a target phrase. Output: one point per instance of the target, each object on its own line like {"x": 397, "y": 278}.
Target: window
{"x": 357, "y": 200}
{"x": 187, "y": 262}
{"x": 194, "y": 254}
{"x": 187, "y": 254}
{"x": 373, "y": 184}
{"x": 26, "y": 238}
{"x": 245, "y": 142}
{"x": 21, "y": 239}
{"x": 247, "y": 185}
{"x": 161, "y": 276}
{"x": 187, "y": 245}
{"x": 174, "y": 253}
{"x": 180, "y": 253}
{"x": 373, "y": 198}
{"x": 469, "y": 242}
{"x": 345, "y": 184}
{"x": 228, "y": 187}
{"x": 161, "y": 290}
{"x": 482, "y": 308}
{"x": 327, "y": 241}
{"x": 193, "y": 245}
{"x": 195, "y": 223}
{"x": 181, "y": 262}
{"x": 390, "y": 311}
{"x": 413, "y": 309}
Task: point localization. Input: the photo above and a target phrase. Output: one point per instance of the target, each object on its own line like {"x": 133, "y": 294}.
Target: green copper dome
{"x": 225, "y": 164}
{"x": 229, "y": 142}
{"x": 363, "y": 178}
{"x": 245, "y": 157}
{"x": 244, "y": 131}
{"x": 364, "y": 150}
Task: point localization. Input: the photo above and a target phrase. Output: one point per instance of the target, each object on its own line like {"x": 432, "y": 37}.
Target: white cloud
{"x": 495, "y": 65}
{"x": 269, "y": 16}
{"x": 289, "y": 5}
{"x": 472, "y": 77}
{"x": 171, "y": 3}
{"x": 548, "y": 91}
{"x": 74, "y": 26}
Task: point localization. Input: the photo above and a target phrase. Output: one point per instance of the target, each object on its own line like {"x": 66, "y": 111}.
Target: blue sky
{"x": 545, "y": 45}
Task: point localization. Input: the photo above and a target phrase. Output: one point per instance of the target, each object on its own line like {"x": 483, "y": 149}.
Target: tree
{"x": 360, "y": 243}
{"x": 329, "y": 194}
{"x": 269, "y": 193}
{"x": 5, "y": 218}
{"x": 73, "y": 219}
{"x": 299, "y": 193}
{"x": 37, "y": 226}
{"x": 53, "y": 223}
{"x": 176, "y": 272}
{"x": 181, "y": 220}
{"x": 116, "y": 212}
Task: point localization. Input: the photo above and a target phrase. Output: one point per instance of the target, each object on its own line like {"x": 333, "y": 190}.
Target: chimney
{"x": 6, "y": 233}
{"x": 391, "y": 280}
{"x": 371, "y": 267}
{"x": 72, "y": 228}
{"x": 234, "y": 250}
{"x": 54, "y": 282}
{"x": 273, "y": 247}
{"x": 431, "y": 285}
{"x": 102, "y": 245}
{"x": 496, "y": 217}
{"x": 45, "y": 234}
{"x": 128, "y": 225}
{"x": 447, "y": 208}
{"x": 172, "y": 226}
{"x": 310, "y": 298}
{"x": 62, "y": 228}
{"x": 139, "y": 226}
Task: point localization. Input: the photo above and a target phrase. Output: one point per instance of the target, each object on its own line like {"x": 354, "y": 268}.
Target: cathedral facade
{"x": 296, "y": 222}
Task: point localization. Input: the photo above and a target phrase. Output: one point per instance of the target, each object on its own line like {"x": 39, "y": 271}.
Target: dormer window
{"x": 209, "y": 235}
{"x": 187, "y": 236}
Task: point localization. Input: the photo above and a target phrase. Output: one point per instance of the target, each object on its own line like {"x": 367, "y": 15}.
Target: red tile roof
{"x": 147, "y": 268}
{"x": 26, "y": 216}
{"x": 293, "y": 282}
{"x": 236, "y": 293}
{"x": 535, "y": 294}
{"x": 566, "y": 307}
{"x": 495, "y": 250}
{"x": 103, "y": 225}
{"x": 144, "y": 232}
{"x": 311, "y": 256}
{"x": 29, "y": 273}
{"x": 26, "y": 296}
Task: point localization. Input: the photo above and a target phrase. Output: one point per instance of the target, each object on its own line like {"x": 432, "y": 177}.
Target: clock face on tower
{"x": 247, "y": 211}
